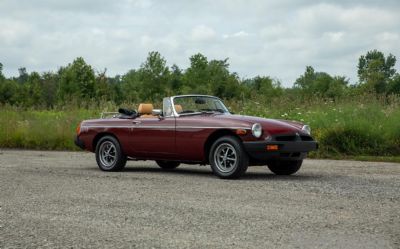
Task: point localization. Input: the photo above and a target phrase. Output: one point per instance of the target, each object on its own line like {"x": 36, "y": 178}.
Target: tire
{"x": 227, "y": 158}
{"x": 109, "y": 156}
{"x": 167, "y": 164}
{"x": 284, "y": 167}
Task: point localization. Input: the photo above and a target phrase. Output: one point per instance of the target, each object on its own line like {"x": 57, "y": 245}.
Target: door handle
{"x": 136, "y": 122}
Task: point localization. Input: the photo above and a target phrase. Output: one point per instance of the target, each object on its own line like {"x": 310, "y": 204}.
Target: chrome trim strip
{"x": 132, "y": 126}
{"x": 166, "y": 127}
{"x": 211, "y": 127}
{"x": 106, "y": 126}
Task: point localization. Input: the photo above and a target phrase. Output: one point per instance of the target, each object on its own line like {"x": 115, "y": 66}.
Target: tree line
{"x": 78, "y": 83}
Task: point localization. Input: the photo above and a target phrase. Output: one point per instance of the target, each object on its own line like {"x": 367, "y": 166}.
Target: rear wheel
{"x": 109, "y": 155}
{"x": 167, "y": 164}
{"x": 228, "y": 158}
{"x": 280, "y": 167}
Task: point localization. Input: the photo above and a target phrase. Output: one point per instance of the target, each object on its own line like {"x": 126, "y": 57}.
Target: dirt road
{"x": 61, "y": 199}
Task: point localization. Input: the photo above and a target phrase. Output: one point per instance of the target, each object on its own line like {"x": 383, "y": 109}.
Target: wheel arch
{"x": 100, "y": 135}
{"x": 213, "y": 137}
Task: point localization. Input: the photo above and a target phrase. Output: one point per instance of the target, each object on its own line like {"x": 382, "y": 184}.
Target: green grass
{"x": 362, "y": 128}
{"x": 33, "y": 129}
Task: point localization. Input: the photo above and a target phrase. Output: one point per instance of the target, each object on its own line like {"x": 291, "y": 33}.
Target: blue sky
{"x": 274, "y": 38}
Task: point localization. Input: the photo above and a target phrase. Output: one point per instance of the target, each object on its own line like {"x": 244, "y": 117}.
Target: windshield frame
{"x": 195, "y": 95}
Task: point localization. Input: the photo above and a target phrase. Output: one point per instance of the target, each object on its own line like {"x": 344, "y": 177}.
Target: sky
{"x": 268, "y": 38}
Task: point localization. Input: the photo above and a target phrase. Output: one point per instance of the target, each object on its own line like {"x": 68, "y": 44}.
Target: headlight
{"x": 256, "y": 130}
{"x": 307, "y": 129}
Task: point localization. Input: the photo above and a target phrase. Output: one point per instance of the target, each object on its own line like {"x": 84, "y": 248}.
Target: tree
{"x": 23, "y": 75}
{"x": 306, "y": 80}
{"x": 337, "y": 87}
{"x": 196, "y": 76}
{"x": 115, "y": 84}
{"x": 321, "y": 84}
{"x": 33, "y": 91}
{"x": 210, "y": 77}
{"x": 1, "y": 72}
{"x": 131, "y": 86}
{"x": 50, "y": 83}
{"x": 264, "y": 86}
{"x": 175, "y": 81}
{"x": 221, "y": 82}
{"x": 375, "y": 70}
{"x": 77, "y": 81}
{"x": 102, "y": 88}
{"x": 153, "y": 76}
{"x": 394, "y": 85}
{"x": 8, "y": 89}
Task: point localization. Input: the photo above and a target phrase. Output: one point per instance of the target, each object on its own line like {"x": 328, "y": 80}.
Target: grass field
{"x": 362, "y": 128}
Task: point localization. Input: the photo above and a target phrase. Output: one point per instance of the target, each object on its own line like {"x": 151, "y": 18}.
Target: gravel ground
{"x": 61, "y": 199}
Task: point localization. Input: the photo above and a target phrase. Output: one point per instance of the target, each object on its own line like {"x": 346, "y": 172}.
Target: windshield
{"x": 198, "y": 105}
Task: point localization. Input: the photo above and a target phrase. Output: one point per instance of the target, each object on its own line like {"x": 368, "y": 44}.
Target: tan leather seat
{"x": 178, "y": 108}
{"x": 146, "y": 110}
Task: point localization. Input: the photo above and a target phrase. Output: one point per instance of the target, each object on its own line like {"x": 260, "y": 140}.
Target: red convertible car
{"x": 196, "y": 129}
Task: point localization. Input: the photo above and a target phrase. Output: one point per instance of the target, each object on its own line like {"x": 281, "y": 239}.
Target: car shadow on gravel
{"x": 271, "y": 177}
{"x": 204, "y": 172}
{"x": 179, "y": 171}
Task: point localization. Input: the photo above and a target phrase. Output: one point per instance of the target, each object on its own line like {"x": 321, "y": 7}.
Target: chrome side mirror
{"x": 156, "y": 112}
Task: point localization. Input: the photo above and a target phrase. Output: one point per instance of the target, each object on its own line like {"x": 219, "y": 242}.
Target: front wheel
{"x": 109, "y": 155}
{"x": 284, "y": 167}
{"x": 167, "y": 164}
{"x": 228, "y": 158}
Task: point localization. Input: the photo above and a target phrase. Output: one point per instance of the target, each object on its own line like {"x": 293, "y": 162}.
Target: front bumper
{"x": 79, "y": 142}
{"x": 287, "y": 150}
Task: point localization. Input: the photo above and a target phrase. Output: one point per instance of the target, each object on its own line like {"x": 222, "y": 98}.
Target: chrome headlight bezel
{"x": 306, "y": 129}
{"x": 256, "y": 130}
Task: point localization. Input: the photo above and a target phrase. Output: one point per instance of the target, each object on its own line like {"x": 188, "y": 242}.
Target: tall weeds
{"x": 363, "y": 125}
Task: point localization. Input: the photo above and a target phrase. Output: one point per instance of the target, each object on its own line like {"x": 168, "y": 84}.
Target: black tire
{"x": 167, "y": 164}
{"x": 284, "y": 167}
{"x": 116, "y": 160}
{"x": 228, "y": 168}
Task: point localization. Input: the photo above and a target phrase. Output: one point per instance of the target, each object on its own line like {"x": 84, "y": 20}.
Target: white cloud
{"x": 275, "y": 38}
{"x": 202, "y": 33}
{"x": 334, "y": 36}
{"x": 236, "y": 35}
{"x": 13, "y": 31}
{"x": 140, "y": 3}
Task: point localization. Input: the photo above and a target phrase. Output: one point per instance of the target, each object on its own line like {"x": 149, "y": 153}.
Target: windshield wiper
{"x": 187, "y": 113}
{"x": 212, "y": 112}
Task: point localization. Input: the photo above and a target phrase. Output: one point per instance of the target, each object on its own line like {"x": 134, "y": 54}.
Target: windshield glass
{"x": 198, "y": 104}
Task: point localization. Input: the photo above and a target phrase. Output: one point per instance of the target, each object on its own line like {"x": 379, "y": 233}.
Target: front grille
{"x": 306, "y": 138}
{"x": 292, "y": 137}
{"x": 285, "y": 138}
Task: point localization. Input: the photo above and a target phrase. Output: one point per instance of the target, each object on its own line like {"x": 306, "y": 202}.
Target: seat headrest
{"x": 178, "y": 108}
{"x": 145, "y": 108}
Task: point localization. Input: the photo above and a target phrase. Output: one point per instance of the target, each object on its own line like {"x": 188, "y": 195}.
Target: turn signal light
{"x": 78, "y": 129}
{"x": 241, "y": 132}
{"x": 272, "y": 147}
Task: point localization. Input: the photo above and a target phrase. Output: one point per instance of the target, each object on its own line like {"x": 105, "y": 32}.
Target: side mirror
{"x": 157, "y": 112}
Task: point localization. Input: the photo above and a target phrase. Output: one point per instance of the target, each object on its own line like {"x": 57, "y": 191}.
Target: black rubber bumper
{"x": 79, "y": 143}
{"x": 289, "y": 150}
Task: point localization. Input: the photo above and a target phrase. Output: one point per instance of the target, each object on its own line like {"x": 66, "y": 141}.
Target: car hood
{"x": 272, "y": 126}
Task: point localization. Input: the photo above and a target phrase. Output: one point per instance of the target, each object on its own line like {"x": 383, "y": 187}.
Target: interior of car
{"x": 145, "y": 110}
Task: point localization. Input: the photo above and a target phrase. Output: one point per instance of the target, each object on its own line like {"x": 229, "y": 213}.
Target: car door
{"x": 154, "y": 137}
{"x": 191, "y": 135}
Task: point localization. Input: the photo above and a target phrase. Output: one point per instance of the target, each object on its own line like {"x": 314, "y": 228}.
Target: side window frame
{"x": 167, "y": 104}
